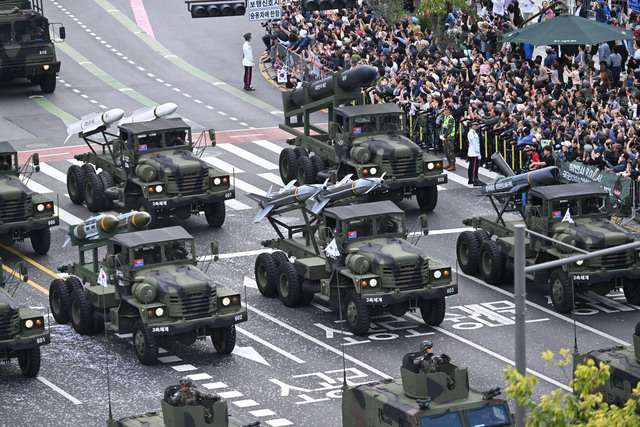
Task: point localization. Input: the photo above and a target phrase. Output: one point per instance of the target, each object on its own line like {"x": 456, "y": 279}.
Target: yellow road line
{"x": 18, "y": 275}
{"x": 35, "y": 264}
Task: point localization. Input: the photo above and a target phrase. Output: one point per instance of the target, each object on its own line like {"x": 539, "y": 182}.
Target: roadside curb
{"x": 269, "y": 73}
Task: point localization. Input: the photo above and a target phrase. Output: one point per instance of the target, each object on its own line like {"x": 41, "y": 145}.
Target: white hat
{"x": 303, "y": 33}
{"x": 566, "y": 143}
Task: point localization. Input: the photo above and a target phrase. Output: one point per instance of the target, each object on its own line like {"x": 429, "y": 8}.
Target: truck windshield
{"x": 560, "y": 207}
{"x": 593, "y": 205}
{"x": 496, "y": 415}
{"x": 176, "y": 138}
{"x": 390, "y": 223}
{"x": 146, "y": 255}
{"x": 356, "y": 228}
{"x": 449, "y": 419}
{"x": 31, "y": 31}
{"x": 178, "y": 251}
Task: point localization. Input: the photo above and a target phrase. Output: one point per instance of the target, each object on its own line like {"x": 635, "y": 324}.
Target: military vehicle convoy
{"x": 150, "y": 165}
{"x": 144, "y": 282}
{"x": 26, "y": 49}
{"x": 352, "y": 256}
{"x": 23, "y": 213}
{"x": 624, "y": 371}
{"x": 578, "y": 215}
{"x": 362, "y": 140}
{"x": 22, "y": 330}
{"x": 442, "y": 398}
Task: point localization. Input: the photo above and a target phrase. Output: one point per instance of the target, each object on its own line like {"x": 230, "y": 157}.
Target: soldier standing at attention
{"x": 473, "y": 154}
{"x": 448, "y": 136}
{"x": 428, "y": 363}
{"x": 247, "y": 61}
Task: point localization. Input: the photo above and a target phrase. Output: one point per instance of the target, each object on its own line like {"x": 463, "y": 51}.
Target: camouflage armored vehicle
{"x": 26, "y": 49}
{"x": 149, "y": 166}
{"x": 578, "y": 215}
{"x": 354, "y": 256}
{"x": 23, "y": 213}
{"x": 143, "y": 282}
{"x": 22, "y": 330}
{"x": 624, "y": 371}
{"x": 442, "y": 398}
{"x": 365, "y": 141}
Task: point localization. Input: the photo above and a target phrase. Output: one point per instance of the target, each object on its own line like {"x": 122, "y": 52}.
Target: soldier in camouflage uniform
{"x": 428, "y": 363}
{"x": 189, "y": 395}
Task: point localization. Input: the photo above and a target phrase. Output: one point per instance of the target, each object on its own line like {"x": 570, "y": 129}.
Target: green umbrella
{"x": 567, "y": 29}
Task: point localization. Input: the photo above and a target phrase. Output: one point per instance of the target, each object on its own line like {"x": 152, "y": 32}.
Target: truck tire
{"x": 299, "y": 151}
{"x": 75, "y": 184}
{"x": 48, "y": 83}
{"x": 93, "y": 192}
{"x": 561, "y": 291}
{"x": 87, "y": 168}
{"x": 97, "y": 325}
{"x": 305, "y": 174}
{"x": 224, "y": 339}
{"x": 145, "y": 206}
{"x": 482, "y": 235}
{"x": 215, "y": 214}
{"x": 508, "y": 277}
{"x": 632, "y": 292}
{"x": 279, "y": 257}
{"x": 468, "y": 252}
{"x": 107, "y": 190}
{"x": 145, "y": 344}
{"x": 265, "y": 272}
{"x": 40, "y": 240}
{"x": 491, "y": 262}
{"x": 287, "y": 165}
{"x": 73, "y": 283}
{"x": 357, "y": 313}
{"x": 433, "y": 311}
{"x": 59, "y": 301}
{"x": 318, "y": 166}
{"x": 29, "y": 361}
{"x": 81, "y": 312}
{"x": 427, "y": 198}
{"x": 288, "y": 285}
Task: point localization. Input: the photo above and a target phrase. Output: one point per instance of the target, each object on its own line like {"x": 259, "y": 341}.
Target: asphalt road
{"x": 287, "y": 368}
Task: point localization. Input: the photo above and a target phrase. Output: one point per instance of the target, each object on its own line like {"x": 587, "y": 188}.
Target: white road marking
{"x": 184, "y": 368}
{"x": 169, "y": 359}
{"x": 59, "y": 390}
{"x": 222, "y": 165}
{"x": 269, "y": 345}
{"x": 53, "y": 172}
{"x": 268, "y": 145}
{"x": 251, "y": 354}
{"x": 262, "y": 413}
{"x": 38, "y": 188}
{"x": 280, "y": 422}
{"x": 237, "y": 205}
{"x": 200, "y": 377}
{"x": 273, "y": 178}
{"x": 211, "y": 386}
{"x": 245, "y": 403}
{"x": 230, "y": 394}
{"x": 247, "y": 155}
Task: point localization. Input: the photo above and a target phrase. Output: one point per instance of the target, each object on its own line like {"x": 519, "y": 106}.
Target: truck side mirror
{"x": 424, "y": 223}
{"x": 63, "y": 33}
{"x": 35, "y": 159}
{"x": 215, "y": 251}
{"x": 110, "y": 261}
{"x": 212, "y": 137}
{"x": 24, "y": 271}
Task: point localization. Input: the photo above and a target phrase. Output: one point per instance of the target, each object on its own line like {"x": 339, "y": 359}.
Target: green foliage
{"x": 439, "y": 7}
{"x": 391, "y": 10}
{"x": 583, "y": 408}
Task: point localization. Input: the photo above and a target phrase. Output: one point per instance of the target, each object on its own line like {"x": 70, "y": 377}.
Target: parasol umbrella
{"x": 567, "y": 29}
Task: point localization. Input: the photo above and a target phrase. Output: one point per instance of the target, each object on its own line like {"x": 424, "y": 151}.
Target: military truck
{"x": 22, "y": 330}
{"x": 23, "y": 213}
{"x": 442, "y": 398}
{"x": 148, "y": 166}
{"x": 144, "y": 282}
{"x": 624, "y": 374}
{"x": 577, "y": 216}
{"x": 362, "y": 140}
{"x": 356, "y": 257}
{"x": 26, "y": 49}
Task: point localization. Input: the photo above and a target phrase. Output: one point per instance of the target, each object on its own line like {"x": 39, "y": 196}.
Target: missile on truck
{"x": 361, "y": 140}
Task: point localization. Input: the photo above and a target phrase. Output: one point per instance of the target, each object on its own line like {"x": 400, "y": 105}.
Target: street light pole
{"x": 519, "y": 290}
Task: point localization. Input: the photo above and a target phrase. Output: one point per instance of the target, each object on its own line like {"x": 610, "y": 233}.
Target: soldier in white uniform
{"x": 247, "y": 61}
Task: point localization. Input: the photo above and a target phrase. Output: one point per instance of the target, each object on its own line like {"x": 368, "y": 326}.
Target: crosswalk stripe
{"x": 69, "y": 218}
{"x": 245, "y": 187}
{"x": 38, "y": 188}
{"x": 222, "y": 165}
{"x": 457, "y": 178}
{"x": 273, "y": 178}
{"x": 53, "y": 172}
{"x": 268, "y": 145}
{"x": 247, "y": 155}
{"x": 237, "y": 205}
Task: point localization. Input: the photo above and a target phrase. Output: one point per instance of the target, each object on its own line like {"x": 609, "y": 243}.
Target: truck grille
{"x": 9, "y": 325}
{"x": 406, "y": 276}
{"x": 187, "y": 183}
{"x": 612, "y": 261}
{"x": 15, "y": 209}
{"x": 193, "y": 305}
{"x": 404, "y": 166}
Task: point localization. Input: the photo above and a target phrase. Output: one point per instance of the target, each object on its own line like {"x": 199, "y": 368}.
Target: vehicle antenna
{"x": 344, "y": 364}
{"x": 106, "y": 354}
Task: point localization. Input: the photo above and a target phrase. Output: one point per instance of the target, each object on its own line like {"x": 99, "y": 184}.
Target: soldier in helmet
{"x": 428, "y": 362}
{"x": 188, "y": 395}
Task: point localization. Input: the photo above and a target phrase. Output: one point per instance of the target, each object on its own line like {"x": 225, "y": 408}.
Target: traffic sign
{"x": 259, "y": 10}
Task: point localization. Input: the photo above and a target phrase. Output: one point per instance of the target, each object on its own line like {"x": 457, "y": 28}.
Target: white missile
{"x": 346, "y": 188}
{"x": 91, "y": 122}
{"x": 289, "y": 194}
{"x": 150, "y": 113}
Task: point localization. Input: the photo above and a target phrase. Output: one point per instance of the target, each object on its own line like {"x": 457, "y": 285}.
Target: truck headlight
{"x": 437, "y": 274}
{"x": 40, "y": 207}
{"x": 373, "y": 171}
{"x": 217, "y": 181}
{"x": 159, "y": 311}
{"x": 431, "y": 166}
{"x": 28, "y": 324}
{"x": 159, "y": 188}
{"x": 373, "y": 283}
{"x": 226, "y": 301}
{"x": 580, "y": 262}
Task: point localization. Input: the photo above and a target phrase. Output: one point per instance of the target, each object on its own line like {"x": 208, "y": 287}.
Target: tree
{"x": 391, "y": 10}
{"x": 584, "y": 407}
{"x": 438, "y": 11}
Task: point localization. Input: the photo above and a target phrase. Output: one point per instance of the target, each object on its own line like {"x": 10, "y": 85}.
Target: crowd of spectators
{"x": 578, "y": 101}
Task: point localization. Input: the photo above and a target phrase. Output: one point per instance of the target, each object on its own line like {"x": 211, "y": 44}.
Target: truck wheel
{"x": 482, "y": 235}
{"x": 508, "y": 277}
{"x": 145, "y": 344}
{"x": 40, "y": 240}
{"x": 632, "y": 293}
{"x": 145, "y": 206}
{"x": 433, "y": 310}
{"x": 304, "y": 171}
{"x": 59, "y": 301}
{"x": 265, "y": 271}
{"x": 299, "y": 151}
{"x": 81, "y": 312}
{"x": 93, "y": 192}
{"x": 318, "y": 166}
{"x": 468, "y": 252}
{"x": 288, "y": 285}
{"x": 73, "y": 283}
{"x": 224, "y": 339}
{"x": 215, "y": 214}
{"x": 561, "y": 292}
{"x": 279, "y": 257}
{"x": 97, "y": 325}
{"x": 491, "y": 262}
{"x": 29, "y": 361}
{"x": 427, "y": 198}
{"x": 48, "y": 83}
{"x": 307, "y": 290}
{"x": 357, "y": 313}
{"x": 75, "y": 184}
{"x": 287, "y": 165}
{"x": 107, "y": 184}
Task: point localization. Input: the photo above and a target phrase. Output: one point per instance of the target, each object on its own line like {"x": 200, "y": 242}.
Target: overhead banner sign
{"x": 634, "y": 5}
{"x": 618, "y": 186}
{"x": 260, "y": 10}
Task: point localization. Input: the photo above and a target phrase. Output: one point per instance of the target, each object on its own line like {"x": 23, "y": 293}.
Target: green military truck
{"x": 23, "y": 213}
{"x": 577, "y": 216}
{"x": 147, "y": 283}
{"x": 26, "y": 49}
{"x": 362, "y": 140}
{"x": 442, "y": 398}
{"x": 149, "y": 166}
{"x": 22, "y": 330}
{"x": 354, "y": 256}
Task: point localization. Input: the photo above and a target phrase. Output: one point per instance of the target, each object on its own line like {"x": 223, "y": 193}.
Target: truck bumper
{"x": 8, "y": 347}
{"x": 421, "y": 294}
{"x": 180, "y": 201}
{"x": 615, "y": 277}
{"x": 29, "y": 70}
{"x": 412, "y": 183}
{"x": 20, "y": 230}
{"x": 188, "y": 325}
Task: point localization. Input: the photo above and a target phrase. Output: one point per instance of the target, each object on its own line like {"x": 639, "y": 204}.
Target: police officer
{"x": 189, "y": 395}
{"x": 448, "y": 135}
{"x": 247, "y": 61}
{"x": 428, "y": 362}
